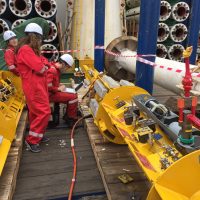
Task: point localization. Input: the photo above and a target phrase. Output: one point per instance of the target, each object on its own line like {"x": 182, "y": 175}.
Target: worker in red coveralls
{"x": 9, "y": 55}
{"x": 58, "y": 93}
{"x": 33, "y": 74}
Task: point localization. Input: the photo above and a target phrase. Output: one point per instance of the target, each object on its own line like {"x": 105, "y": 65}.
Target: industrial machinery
{"x": 11, "y": 106}
{"x": 120, "y": 63}
{"x": 163, "y": 143}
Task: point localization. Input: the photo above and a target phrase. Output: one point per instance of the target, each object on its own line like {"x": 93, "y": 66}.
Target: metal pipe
{"x": 175, "y": 52}
{"x": 114, "y": 31}
{"x": 46, "y": 8}
{"x": 20, "y": 8}
{"x": 3, "y": 6}
{"x": 165, "y": 10}
{"x": 147, "y": 40}
{"x": 52, "y": 53}
{"x": 53, "y": 32}
{"x": 180, "y": 11}
{"x": 161, "y": 51}
{"x": 119, "y": 67}
{"x": 133, "y": 11}
{"x": 3, "y": 26}
{"x": 132, "y": 3}
{"x": 163, "y": 32}
{"x": 17, "y": 23}
{"x": 178, "y": 32}
{"x": 136, "y": 18}
{"x": 99, "y": 34}
{"x": 161, "y": 75}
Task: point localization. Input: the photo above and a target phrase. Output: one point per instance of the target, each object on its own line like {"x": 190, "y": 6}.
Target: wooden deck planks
{"x": 47, "y": 175}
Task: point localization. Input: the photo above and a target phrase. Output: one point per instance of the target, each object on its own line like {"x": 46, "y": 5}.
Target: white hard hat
{"x": 68, "y": 59}
{"x": 8, "y": 35}
{"x": 33, "y": 28}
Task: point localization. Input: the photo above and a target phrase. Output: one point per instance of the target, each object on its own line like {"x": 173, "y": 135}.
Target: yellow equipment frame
{"x": 180, "y": 180}
{"x": 10, "y": 112}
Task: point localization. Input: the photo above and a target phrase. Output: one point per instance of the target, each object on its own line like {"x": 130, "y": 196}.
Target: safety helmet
{"x": 8, "y": 35}
{"x": 33, "y": 28}
{"x": 67, "y": 58}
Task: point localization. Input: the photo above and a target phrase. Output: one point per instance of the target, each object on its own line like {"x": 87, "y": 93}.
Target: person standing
{"x": 58, "y": 93}
{"x": 33, "y": 74}
{"x": 9, "y": 55}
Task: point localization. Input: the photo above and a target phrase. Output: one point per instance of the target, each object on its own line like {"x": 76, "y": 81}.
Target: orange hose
{"x": 75, "y": 160}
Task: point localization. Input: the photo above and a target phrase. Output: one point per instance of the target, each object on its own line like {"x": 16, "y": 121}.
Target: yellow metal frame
{"x": 10, "y": 112}
{"x": 180, "y": 181}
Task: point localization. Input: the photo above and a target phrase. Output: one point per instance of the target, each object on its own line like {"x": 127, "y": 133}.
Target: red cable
{"x": 74, "y": 158}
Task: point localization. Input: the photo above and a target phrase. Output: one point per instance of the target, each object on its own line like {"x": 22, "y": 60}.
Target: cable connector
{"x": 72, "y": 142}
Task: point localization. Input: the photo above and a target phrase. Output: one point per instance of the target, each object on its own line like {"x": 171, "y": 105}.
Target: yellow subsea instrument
{"x": 126, "y": 114}
{"x": 11, "y": 106}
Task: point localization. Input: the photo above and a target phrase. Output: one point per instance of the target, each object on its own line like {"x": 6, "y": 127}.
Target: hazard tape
{"x": 164, "y": 67}
{"x": 139, "y": 58}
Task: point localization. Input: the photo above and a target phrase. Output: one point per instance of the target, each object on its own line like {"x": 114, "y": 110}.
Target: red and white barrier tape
{"x": 138, "y": 57}
{"x": 164, "y": 67}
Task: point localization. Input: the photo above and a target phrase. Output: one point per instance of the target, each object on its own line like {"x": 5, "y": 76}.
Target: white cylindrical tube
{"x": 163, "y": 76}
{"x": 83, "y": 25}
{"x": 133, "y": 11}
{"x": 113, "y": 28}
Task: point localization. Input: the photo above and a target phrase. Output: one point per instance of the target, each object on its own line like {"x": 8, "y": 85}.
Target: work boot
{"x": 45, "y": 139}
{"x": 35, "y": 148}
{"x": 56, "y": 114}
{"x": 70, "y": 121}
{"x": 79, "y": 113}
{"x": 51, "y": 124}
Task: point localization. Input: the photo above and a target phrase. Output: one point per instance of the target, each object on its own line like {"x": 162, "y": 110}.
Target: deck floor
{"x": 47, "y": 175}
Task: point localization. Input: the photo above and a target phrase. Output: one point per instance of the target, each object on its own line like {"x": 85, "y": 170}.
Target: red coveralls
{"x": 33, "y": 74}
{"x": 53, "y": 81}
{"x": 9, "y": 57}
